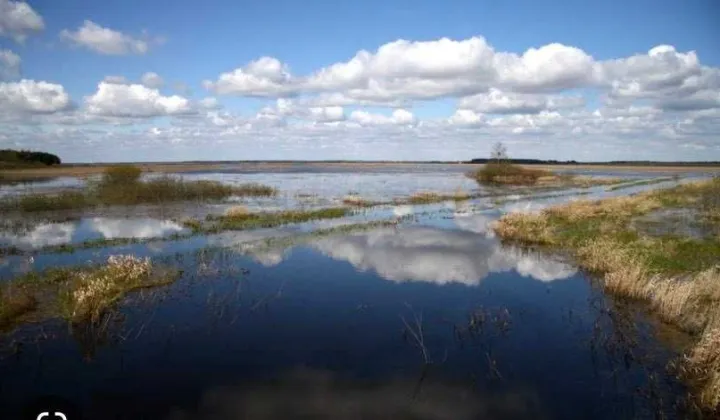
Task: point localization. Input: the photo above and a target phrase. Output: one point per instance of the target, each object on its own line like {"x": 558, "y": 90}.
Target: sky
{"x": 104, "y": 81}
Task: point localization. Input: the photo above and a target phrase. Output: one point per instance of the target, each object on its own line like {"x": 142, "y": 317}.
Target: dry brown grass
{"x": 80, "y": 293}
{"x": 356, "y": 201}
{"x": 672, "y": 274}
{"x": 424, "y": 197}
{"x": 703, "y": 364}
{"x": 237, "y": 211}
{"x": 14, "y": 303}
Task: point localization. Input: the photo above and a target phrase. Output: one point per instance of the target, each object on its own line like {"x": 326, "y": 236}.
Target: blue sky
{"x": 591, "y": 90}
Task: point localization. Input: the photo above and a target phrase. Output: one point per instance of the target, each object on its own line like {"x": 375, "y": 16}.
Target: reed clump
{"x": 81, "y": 293}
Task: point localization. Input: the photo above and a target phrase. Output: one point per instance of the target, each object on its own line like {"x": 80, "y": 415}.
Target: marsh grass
{"x": 66, "y": 200}
{"x": 678, "y": 276}
{"x": 14, "y": 303}
{"x": 121, "y": 185}
{"x": 428, "y": 197}
{"x": 641, "y": 182}
{"x": 504, "y": 173}
{"x": 78, "y": 294}
{"x": 272, "y": 219}
{"x": 357, "y": 201}
{"x": 508, "y": 174}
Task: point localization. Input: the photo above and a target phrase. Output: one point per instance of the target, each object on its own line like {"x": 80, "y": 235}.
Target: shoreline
{"x": 86, "y": 170}
{"x": 677, "y": 275}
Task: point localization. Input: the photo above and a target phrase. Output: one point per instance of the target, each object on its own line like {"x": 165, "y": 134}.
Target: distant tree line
{"x": 14, "y": 157}
{"x": 525, "y": 161}
{"x": 613, "y": 162}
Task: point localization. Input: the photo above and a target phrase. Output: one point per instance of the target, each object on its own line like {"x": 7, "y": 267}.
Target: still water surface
{"x": 429, "y": 319}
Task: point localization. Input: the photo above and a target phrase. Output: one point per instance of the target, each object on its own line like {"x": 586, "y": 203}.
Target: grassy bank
{"x": 121, "y": 185}
{"x": 77, "y": 293}
{"x": 678, "y": 275}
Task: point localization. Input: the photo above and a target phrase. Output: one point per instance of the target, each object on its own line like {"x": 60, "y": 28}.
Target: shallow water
{"x": 87, "y": 229}
{"x": 432, "y": 318}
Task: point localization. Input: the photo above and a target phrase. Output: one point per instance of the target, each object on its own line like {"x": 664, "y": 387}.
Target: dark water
{"x": 430, "y": 320}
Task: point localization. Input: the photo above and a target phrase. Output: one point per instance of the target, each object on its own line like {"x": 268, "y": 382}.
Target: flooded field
{"x": 395, "y": 310}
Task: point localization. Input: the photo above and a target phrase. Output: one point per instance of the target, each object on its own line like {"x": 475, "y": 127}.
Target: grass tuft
{"x": 508, "y": 174}
{"x": 77, "y": 293}
{"x": 93, "y": 291}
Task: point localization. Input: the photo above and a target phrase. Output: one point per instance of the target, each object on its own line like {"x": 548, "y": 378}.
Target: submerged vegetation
{"x": 77, "y": 293}
{"x": 678, "y": 275}
{"x": 121, "y": 185}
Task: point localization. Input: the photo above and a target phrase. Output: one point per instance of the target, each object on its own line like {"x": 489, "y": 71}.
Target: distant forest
{"x": 9, "y": 157}
{"x": 614, "y": 162}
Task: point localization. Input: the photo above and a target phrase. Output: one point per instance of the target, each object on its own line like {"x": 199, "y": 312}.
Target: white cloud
{"x": 152, "y": 80}
{"x": 104, "y": 40}
{"x": 120, "y": 100}
{"x": 327, "y": 114}
{"x": 210, "y": 103}
{"x": 465, "y": 117}
{"x": 9, "y": 65}
{"x": 495, "y": 101}
{"x": 660, "y": 104}
{"x": 17, "y": 19}
{"x": 552, "y": 67}
{"x": 398, "y": 117}
{"x": 266, "y": 76}
{"x": 30, "y": 96}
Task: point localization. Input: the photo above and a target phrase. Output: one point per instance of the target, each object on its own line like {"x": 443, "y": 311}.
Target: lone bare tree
{"x": 499, "y": 153}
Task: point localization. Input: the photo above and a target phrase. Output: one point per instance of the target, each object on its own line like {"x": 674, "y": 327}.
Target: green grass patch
{"x": 66, "y": 200}
{"x": 272, "y": 219}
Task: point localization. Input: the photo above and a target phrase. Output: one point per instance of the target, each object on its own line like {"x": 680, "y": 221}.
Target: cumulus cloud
{"x": 495, "y": 101}
{"x": 104, "y": 40}
{"x": 398, "y": 117}
{"x": 9, "y": 65}
{"x": 486, "y": 80}
{"x": 327, "y": 114}
{"x": 552, "y": 67}
{"x": 264, "y": 77}
{"x": 209, "y": 103}
{"x": 423, "y": 70}
{"x": 152, "y": 80}
{"x": 17, "y": 19}
{"x": 553, "y": 101}
{"x": 133, "y": 100}
{"x": 30, "y": 96}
